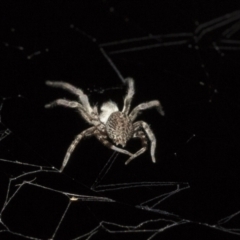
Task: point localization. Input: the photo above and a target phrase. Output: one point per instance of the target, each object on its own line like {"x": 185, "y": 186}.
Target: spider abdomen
{"x": 119, "y": 128}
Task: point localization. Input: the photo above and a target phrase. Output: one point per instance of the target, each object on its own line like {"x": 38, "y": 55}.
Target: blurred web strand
{"x": 164, "y": 196}
{"x": 53, "y": 236}
{"x": 216, "y": 23}
{"x": 109, "y": 60}
{"x": 109, "y": 227}
{"x": 97, "y": 187}
{"x": 105, "y": 170}
{"x": 164, "y": 41}
{"x": 199, "y": 33}
{"x": 112, "y": 65}
{"x": 4, "y": 133}
{"x": 22, "y": 49}
{"x": 147, "y": 38}
{"x": 228, "y": 218}
{"x": 231, "y": 44}
{"x": 232, "y": 30}
{"x": 161, "y": 38}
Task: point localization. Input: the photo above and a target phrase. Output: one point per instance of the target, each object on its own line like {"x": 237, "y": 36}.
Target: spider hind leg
{"x": 102, "y": 137}
{"x": 144, "y": 106}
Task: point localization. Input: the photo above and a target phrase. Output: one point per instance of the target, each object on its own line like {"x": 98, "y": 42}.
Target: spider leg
{"x": 102, "y": 137}
{"x": 150, "y": 135}
{"x": 142, "y": 136}
{"x": 144, "y": 106}
{"x": 64, "y": 103}
{"x": 85, "y": 133}
{"x": 129, "y": 96}
{"x": 72, "y": 104}
{"x": 76, "y": 91}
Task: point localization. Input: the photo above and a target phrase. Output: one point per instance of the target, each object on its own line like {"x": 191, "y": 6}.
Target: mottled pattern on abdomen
{"x": 119, "y": 128}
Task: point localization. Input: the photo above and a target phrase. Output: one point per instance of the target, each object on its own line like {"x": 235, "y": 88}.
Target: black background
{"x": 197, "y": 140}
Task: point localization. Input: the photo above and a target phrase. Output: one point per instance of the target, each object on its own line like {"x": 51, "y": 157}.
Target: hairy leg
{"x": 76, "y": 91}
{"x": 71, "y": 104}
{"x": 87, "y": 132}
{"x": 142, "y": 136}
{"x": 102, "y": 137}
{"x": 145, "y": 106}
{"x": 150, "y": 135}
{"x": 129, "y": 96}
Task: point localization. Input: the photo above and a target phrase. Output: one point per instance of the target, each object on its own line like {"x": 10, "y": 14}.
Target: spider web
{"x": 184, "y": 54}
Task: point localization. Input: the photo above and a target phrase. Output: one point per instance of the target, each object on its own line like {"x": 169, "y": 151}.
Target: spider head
{"x": 119, "y": 128}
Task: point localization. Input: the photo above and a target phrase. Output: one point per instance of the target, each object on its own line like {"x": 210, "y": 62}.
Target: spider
{"x": 118, "y": 126}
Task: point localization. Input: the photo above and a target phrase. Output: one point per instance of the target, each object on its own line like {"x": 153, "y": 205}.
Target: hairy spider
{"x": 111, "y": 123}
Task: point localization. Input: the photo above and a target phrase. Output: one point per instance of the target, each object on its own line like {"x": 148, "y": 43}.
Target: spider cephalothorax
{"x": 118, "y": 126}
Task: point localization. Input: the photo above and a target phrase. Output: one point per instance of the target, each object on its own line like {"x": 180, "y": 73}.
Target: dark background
{"x": 197, "y": 82}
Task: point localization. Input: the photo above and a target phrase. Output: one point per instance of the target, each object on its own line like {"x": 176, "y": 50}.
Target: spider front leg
{"x": 129, "y": 96}
{"x": 145, "y": 106}
{"x": 102, "y": 137}
{"x": 141, "y": 135}
{"x": 87, "y": 132}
